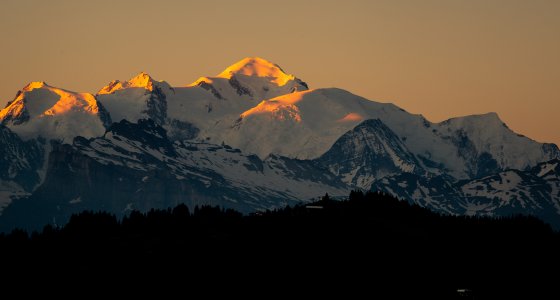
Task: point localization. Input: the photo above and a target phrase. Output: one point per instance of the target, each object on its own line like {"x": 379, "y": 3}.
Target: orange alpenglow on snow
{"x": 142, "y": 80}
{"x": 290, "y": 98}
{"x": 34, "y": 85}
{"x": 67, "y": 101}
{"x": 54, "y": 113}
{"x": 258, "y": 67}
{"x": 351, "y": 117}
{"x": 281, "y": 108}
{"x": 276, "y": 110}
{"x": 17, "y": 107}
{"x": 253, "y": 67}
{"x": 77, "y": 102}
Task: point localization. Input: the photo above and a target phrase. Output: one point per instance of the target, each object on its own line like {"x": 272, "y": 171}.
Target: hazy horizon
{"x": 441, "y": 59}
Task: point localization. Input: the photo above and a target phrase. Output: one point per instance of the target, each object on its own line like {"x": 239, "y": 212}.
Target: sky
{"x": 438, "y": 58}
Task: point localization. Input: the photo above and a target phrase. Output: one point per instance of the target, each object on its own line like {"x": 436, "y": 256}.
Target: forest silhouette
{"x": 368, "y": 243}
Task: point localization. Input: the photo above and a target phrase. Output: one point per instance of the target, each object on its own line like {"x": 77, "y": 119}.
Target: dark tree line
{"x": 370, "y": 242}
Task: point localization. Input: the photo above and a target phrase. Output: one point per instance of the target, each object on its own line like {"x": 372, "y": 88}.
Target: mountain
{"x": 368, "y": 152}
{"x": 212, "y": 104}
{"x": 438, "y": 193}
{"x": 307, "y": 124}
{"x": 136, "y": 166}
{"x": 138, "y": 98}
{"x": 302, "y": 124}
{"x": 487, "y": 145}
{"x": 20, "y": 165}
{"x": 255, "y": 106}
{"x": 250, "y": 133}
{"x": 535, "y": 191}
{"x": 253, "y": 77}
{"x": 203, "y": 107}
{"x": 53, "y": 113}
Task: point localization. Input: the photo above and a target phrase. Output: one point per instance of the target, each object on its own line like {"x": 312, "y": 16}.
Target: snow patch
{"x": 75, "y": 200}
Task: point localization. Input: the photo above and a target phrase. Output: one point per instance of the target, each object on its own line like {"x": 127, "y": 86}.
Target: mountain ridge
{"x": 256, "y": 130}
{"x": 135, "y": 166}
{"x": 42, "y": 110}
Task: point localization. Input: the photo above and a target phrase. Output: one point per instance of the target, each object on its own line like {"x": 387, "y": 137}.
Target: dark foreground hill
{"x": 370, "y": 245}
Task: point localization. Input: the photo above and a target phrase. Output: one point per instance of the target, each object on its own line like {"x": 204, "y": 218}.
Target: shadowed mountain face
{"x": 252, "y": 138}
{"x": 535, "y": 191}
{"x": 20, "y": 165}
{"x": 368, "y": 152}
{"x": 136, "y": 167}
{"x": 20, "y": 159}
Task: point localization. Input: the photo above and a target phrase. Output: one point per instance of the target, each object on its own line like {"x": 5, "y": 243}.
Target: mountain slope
{"x": 138, "y": 98}
{"x": 208, "y": 103}
{"x": 42, "y": 110}
{"x": 20, "y": 163}
{"x": 211, "y": 104}
{"x": 135, "y": 166}
{"x": 369, "y": 152}
{"x": 306, "y": 124}
{"x": 493, "y": 145}
{"x": 534, "y": 192}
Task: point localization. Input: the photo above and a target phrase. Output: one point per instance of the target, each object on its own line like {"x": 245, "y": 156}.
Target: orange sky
{"x": 439, "y": 58}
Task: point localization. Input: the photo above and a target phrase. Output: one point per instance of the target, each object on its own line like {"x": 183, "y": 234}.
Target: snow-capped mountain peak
{"x": 488, "y": 134}
{"x": 481, "y": 120}
{"x": 137, "y": 98}
{"x": 258, "y": 67}
{"x": 142, "y": 80}
{"x": 368, "y": 152}
{"x": 254, "y": 78}
{"x": 43, "y": 110}
{"x": 35, "y": 98}
{"x": 34, "y": 85}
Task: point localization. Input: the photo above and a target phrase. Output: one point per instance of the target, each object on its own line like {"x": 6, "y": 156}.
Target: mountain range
{"x": 255, "y": 132}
